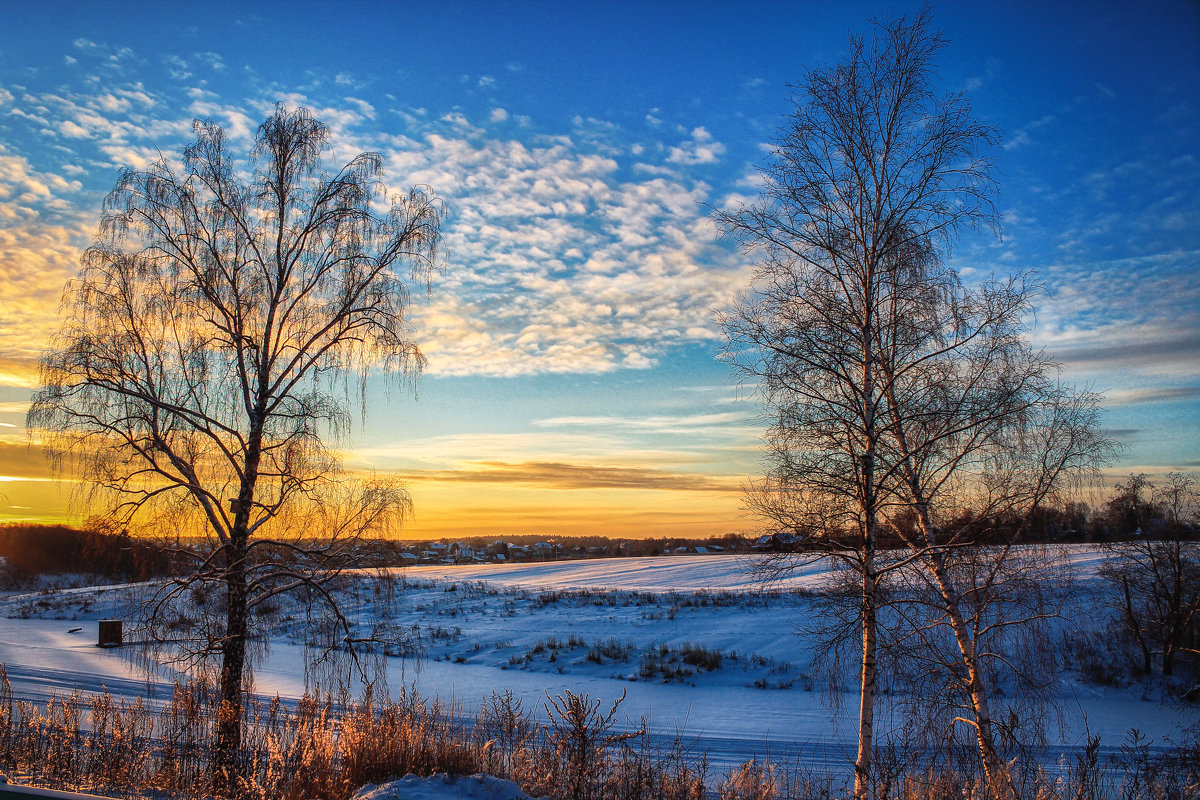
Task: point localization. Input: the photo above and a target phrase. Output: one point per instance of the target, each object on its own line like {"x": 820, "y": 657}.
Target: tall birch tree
{"x": 902, "y": 404}
{"x": 207, "y": 356}
{"x": 872, "y": 167}
{"x": 979, "y": 432}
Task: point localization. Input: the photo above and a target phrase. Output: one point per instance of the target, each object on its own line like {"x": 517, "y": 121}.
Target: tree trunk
{"x": 1135, "y": 628}
{"x": 870, "y": 581}
{"x": 993, "y": 768}
{"x": 233, "y": 644}
{"x": 233, "y": 663}
{"x": 866, "y": 706}
{"x": 870, "y": 608}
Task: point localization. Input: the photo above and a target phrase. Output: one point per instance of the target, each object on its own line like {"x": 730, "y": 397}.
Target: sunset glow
{"x": 573, "y": 384}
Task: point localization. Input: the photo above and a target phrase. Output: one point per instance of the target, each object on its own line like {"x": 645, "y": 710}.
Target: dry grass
{"x": 316, "y": 749}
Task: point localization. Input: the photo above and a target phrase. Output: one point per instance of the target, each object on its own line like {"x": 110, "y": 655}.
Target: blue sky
{"x": 572, "y": 385}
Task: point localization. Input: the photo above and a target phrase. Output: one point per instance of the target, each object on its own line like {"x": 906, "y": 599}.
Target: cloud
{"x": 563, "y": 255}
{"x": 181, "y": 68}
{"x": 1140, "y": 314}
{"x": 212, "y": 60}
{"x": 73, "y": 130}
{"x": 598, "y": 446}
{"x": 554, "y": 475}
{"x": 975, "y": 82}
{"x": 177, "y": 68}
{"x": 1155, "y": 352}
{"x": 702, "y": 149}
{"x": 21, "y": 373}
{"x": 724, "y": 423}
{"x": 1126, "y": 397}
{"x": 107, "y": 55}
{"x": 35, "y": 264}
{"x": 555, "y": 263}
{"x": 1019, "y": 139}
{"x": 1022, "y": 136}
{"x": 23, "y": 461}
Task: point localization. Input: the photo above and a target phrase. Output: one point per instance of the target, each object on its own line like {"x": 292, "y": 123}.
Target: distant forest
{"x": 1135, "y": 508}
{"x": 31, "y": 550}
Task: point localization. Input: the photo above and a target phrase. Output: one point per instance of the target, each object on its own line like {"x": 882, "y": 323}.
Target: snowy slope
{"x": 695, "y": 644}
{"x": 649, "y": 574}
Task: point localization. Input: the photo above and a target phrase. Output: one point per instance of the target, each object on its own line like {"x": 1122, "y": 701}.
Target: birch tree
{"x": 872, "y": 167}
{"x": 207, "y": 357}
{"x": 979, "y": 432}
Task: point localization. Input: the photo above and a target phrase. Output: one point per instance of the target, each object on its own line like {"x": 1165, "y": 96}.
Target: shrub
{"x": 700, "y": 656}
{"x": 612, "y": 650}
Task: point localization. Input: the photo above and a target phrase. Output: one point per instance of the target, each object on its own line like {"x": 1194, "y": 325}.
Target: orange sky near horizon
{"x": 457, "y": 505}
{"x": 574, "y": 382}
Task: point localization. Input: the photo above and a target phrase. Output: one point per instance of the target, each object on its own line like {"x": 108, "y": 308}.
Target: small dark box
{"x": 110, "y": 633}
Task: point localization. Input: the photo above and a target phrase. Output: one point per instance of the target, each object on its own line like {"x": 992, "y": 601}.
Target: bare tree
{"x": 979, "y": 432}
{"x": 1129, "y": 509}
{"x": 872, "y": 162}
{"x": 1007, "y": 598}
{"x": 206, "y": 356}
{"x": 1179, "y": 499}
{"x": 897, "y": 397}
{"x": 1156, "y": 571}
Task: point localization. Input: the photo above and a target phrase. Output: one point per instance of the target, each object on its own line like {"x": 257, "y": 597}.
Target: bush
{"x": 612, "y": 650}
{"x": 318, "y": 749}
{"x": 700, "y": 656}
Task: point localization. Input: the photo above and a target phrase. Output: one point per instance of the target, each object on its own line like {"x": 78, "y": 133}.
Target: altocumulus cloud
{"x": 1140, "y": 314}
{"x": 562, "y": 260}
{"x": 564, "y": 252}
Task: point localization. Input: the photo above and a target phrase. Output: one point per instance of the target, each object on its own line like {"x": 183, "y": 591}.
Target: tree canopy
{"x": 206, "y": 361}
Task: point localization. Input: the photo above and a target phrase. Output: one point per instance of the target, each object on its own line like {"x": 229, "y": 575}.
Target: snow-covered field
{"x": 660, "y": 574}
{"x": 697, "y": 646}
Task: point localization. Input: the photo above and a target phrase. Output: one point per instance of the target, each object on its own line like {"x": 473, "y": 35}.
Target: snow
{"x": 444, "y": 787}
{"x": 540, "y": 629}
{"x": 648, "y": 574}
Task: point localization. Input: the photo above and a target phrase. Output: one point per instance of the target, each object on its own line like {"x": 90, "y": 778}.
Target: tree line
{"x": 29, "y": 551}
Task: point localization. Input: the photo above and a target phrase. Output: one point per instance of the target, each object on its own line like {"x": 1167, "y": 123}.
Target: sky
{"x": 573, "y": 385}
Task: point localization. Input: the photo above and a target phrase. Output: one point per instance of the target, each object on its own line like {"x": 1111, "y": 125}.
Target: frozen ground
{"x": 698, "y": 649}
{"x": 444, "y": 787}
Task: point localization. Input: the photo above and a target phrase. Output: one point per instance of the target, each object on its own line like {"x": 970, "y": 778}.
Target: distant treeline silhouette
{"x": 57, "y": 549}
